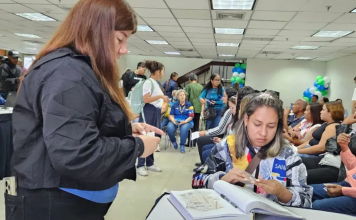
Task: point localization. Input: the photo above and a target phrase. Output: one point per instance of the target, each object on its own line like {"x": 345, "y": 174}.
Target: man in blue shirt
{"x": 298, "y": 109}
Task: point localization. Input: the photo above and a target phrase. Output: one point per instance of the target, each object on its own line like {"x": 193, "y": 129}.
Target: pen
{"x": 226, "y": 199}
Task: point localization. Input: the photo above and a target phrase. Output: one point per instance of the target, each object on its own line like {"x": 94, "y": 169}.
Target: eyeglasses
{"x": 217, "y": 80}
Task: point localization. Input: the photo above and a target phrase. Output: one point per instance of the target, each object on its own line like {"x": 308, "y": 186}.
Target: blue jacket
{"x": 212, "y": 95}
{"x": 180, "y": 113}
{"x": 172, "y": 85}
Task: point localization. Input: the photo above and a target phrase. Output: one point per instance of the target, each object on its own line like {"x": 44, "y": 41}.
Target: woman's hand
{"x": 202, "y": 133}
{"x": 286, "y": 111}
{"x": 166, "y": 99}
{"x": 351, "y": 119}
{"x": 216, "y": 140}
{"x": 343, "y": 140}
{"x": 203, "y": 101}
{"x": 334, "y": 190}
{"x": 273, "y": 187}
{"x": 286, "y": 136}
{"x": 182, "y": 123}
{"x": 150, "y": 145}
{"x": 143, "y": 129}
{"x": 235, "y": 175}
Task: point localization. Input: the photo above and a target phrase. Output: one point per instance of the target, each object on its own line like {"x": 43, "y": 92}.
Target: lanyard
{"x": 181, "y": 109}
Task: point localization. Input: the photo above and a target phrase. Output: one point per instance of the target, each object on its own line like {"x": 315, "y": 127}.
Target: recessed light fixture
{"x": 353, "y": 11}
{"x": 172, "y": 53}
{"x": 304, "y": 58}
{"x": 28, "y": 35}
{"x": 334, "y": 34}
{"x": 229, "y": 31}
{"x": 305, "y": 47}
{"x": 233, "y": 4}
{"x": 156, "y": 42}
{"x": 226, "y": 55}
{"x": 35, "y": 16}
{"x": 227, "y": 45}
{"x": 144, "y": 28}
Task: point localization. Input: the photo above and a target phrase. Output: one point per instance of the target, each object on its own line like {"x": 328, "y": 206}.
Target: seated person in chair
{"x": 258, "y": 147}
{"x": 298, "y": 109}
{"x": 182, "y": 114}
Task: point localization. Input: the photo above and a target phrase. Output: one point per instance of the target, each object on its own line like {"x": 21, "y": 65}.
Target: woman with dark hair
{"x": 73, "y": 141}
{"x": 244, "y": 91}
{"x": 324, "y": 100}
{"x": 304, "y": 130}
{"x": 212, "y": 95}
{"x": 258, "y": 147}
{"x": 153, "y": 97}
{"x": 171, "y": 84}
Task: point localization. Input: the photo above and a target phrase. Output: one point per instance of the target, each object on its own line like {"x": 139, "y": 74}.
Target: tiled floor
{"x": 135, "y": 199}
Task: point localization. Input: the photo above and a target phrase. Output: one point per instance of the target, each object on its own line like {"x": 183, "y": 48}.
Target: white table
{"x": 5, "y": 111}
{"x": 165, "y": 210}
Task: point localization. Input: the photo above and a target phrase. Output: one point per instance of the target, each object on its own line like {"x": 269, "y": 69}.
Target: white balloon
{"x": 318, "y": 93}
{"x": 242, "y": 75}
{"x": 235, "y": 74}
{"x": 312, "y": 90}
{"x": 327, "y": 79}
{"x": 326, "y": 85}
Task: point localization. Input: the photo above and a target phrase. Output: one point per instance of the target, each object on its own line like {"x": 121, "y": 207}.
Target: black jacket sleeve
{"x": 5, "y": 76}
{"x": 70, "y": 111}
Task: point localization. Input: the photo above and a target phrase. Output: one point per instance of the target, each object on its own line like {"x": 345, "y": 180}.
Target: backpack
{"x": 135, "y": 97}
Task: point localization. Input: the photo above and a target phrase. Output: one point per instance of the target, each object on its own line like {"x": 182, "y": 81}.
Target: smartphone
{"x": 10, "y": 186}
{"x": 250, "y": 179}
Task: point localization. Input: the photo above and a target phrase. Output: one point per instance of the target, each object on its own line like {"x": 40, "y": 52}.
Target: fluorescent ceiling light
{"x": 353, "y": 11}
{"x": 35, "y": 16}
{"x": 31, "y": 43}
{"x": 304, "y": 58}
{"x": 233, "y": 4}
{"x": 156, "y": 42}
{"x": 28, "y": 35}
{"x": 172, "y": 53}
{"x": 334, "y": 34}
{"x": 143, "y": 28}
{"x": 226, "y": 55}
{"x": 229, "y": 31}
{"x": 227, "y": 45}
{"x": 305, "y": 47}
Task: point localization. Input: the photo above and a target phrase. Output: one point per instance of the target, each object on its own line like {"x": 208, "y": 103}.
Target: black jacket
{"x": 9, "y": 76}
{"x": 67, "y": 130}
{"x": 129, "y": 80}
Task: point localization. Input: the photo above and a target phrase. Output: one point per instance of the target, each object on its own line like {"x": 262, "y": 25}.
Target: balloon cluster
{"x": 2, "y": 100}
{"x": 238, "y": 74}
{"x": 320, "y": 88}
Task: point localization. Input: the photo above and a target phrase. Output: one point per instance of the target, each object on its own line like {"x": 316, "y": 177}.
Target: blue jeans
{"x": 164, "y": 122}
{"x": 183, "y": 129}
{"x": 341, "y": 204}
{"x": 207, "y": 150}
{"x": 214, "y": 123}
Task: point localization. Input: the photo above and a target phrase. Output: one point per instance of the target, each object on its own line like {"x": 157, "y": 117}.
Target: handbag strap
{"x": 253, "y": 164}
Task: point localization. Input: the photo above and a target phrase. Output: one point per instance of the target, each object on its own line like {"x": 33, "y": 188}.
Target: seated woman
{"x": 182, "y": 114}
{"x": 304, "y": 130}
{"x": 258, "y": 138}
{"x": 166, "y": 109}
{"x": 332, "y": 114}
{"x": 339, "y": 197}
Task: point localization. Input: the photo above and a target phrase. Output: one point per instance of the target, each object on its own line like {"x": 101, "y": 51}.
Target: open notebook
{"x": 225, "y": 202}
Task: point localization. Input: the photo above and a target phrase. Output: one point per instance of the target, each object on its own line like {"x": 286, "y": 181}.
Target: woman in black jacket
{"x": 73, "y": 141}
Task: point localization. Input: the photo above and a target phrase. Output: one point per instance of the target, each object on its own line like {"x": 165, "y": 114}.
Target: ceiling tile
{"x": 262, "y": 32}
{"x": 316, "y": 16}
{"x": 229, "y": 24}
{"x": 160, "y": 21}
{"x": 279, "y": 5}
{"x": 328, "y": 39}
{"x": 288, "y": 38}
{"x": 146, "y": 33}
{"x": 28, "y": 1}
{"x": 273, "y": 15}
{"x": 313, "y": 26}
{"x": 13, "y": 8}
{"x": 58, "y": 17}
{"x": 194, "y": 23}
{"x": 195, "y": 35}
{"x": 246, "y": 17}
{"x": 176, "y": 39}
{"x": 340, "y": 27}
{"x": 167, "y": 28}
{"x": 198, "y": 30}
{"x": 47, "y": 9}
{"x": 62, "y": 2}
{"x": 153, "y": 13}
{"x": 304, "y": 33}
{"x": 255, "y": 42}
{"x": 346, "y": 40}
{"x": 228, "y": 40}
{"x": 197, "y": 40}
{"x": 347, "y": 18}
{"x": 147, "y": 4}
{"x": 304, "y": 43}
{"x": 288, "y": 43}
{"x": 181, "y": 44}
{"x": 267, "y": 24}
{"x": 170, "y": 34}
{"x": 336, "y": 5}
{"x": 140, "y": 20}
{"x": 188, "y": 4}
{"x": 191, "y": 14}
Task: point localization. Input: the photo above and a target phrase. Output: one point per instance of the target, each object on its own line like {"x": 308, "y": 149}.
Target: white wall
{"x": 289, "y": 77}
{"x": 122, "y": 64}
{"x": 342, "y": 72}
{"x": 172, "y": 64}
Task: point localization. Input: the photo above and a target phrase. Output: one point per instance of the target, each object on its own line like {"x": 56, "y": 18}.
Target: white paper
{"x": 195, "y": 135}
{"x": 151, "y": 134}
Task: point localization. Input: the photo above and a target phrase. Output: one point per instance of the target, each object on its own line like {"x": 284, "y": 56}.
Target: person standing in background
{"x": 10, "y": 73}
{"x": 171, "y": 84}
{"x": 193, "y": 91}
{"x": 23, "y": 69}
{"x": 315, "y": 99}
{"x": 130, "y": 79}
{"x": 151, "y": 114}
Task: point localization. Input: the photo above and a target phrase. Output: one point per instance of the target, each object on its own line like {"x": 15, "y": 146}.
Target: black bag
{"x": 209, "y": 113}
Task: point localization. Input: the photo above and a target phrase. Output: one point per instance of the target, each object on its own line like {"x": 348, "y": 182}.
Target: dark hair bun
{"x": 153, "y": 66}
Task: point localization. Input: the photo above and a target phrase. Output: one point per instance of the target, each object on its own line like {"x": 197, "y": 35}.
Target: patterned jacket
{"x": 287, "y": 168}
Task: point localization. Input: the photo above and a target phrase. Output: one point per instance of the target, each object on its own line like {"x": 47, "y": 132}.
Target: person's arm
{"x": 202, "y": 97}
{"x": 221, "y": 128}
{"x": 285, "y": 119}
{"x": 329, "y": 132}
{"x": 191, "y": 114}
{"x": 348, "y": 159}
{"x": 147, "y": 98}
{"x": 225, "y": 98}
{"x": 353, "y": 107}
{"x": 74, "y": 144}
{"x": 5, "y": 75}
{"x": 306, "y": 139}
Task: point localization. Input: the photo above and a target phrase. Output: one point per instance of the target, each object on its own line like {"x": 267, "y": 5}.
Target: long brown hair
{"x": 89, "y": 28}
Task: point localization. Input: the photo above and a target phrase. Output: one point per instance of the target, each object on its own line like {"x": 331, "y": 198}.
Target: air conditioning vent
{"x": 270, "y": 52}
{"x": 185, "y": 50}
{"x": 258, "y": 38}
{"x": 230, "y": 16}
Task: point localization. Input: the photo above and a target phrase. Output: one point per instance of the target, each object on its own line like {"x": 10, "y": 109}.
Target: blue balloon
{"x": 306, "y": 93}
{"x": 243, "y": 71}
{"x": 241, "y": 85}
{"x": 310, "y": 96}
{"x": 321, "y": 87}
{"x": 232, "y": 83}
{"x": 239, "y": 69}
{"x": 234, "y": 70}
{"x": 316, "y": 84}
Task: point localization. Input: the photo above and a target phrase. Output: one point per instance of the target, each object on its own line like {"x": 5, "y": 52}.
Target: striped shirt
{"x": 223, "y": 124}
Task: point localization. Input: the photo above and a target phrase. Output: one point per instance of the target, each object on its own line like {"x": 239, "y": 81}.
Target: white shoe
{"x": 154, "y": 168}
{"x": 142, "y": 171}
{"x": 158, "y": 149}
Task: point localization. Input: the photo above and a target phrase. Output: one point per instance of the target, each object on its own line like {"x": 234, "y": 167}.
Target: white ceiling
{"x": 189, "y": 24}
